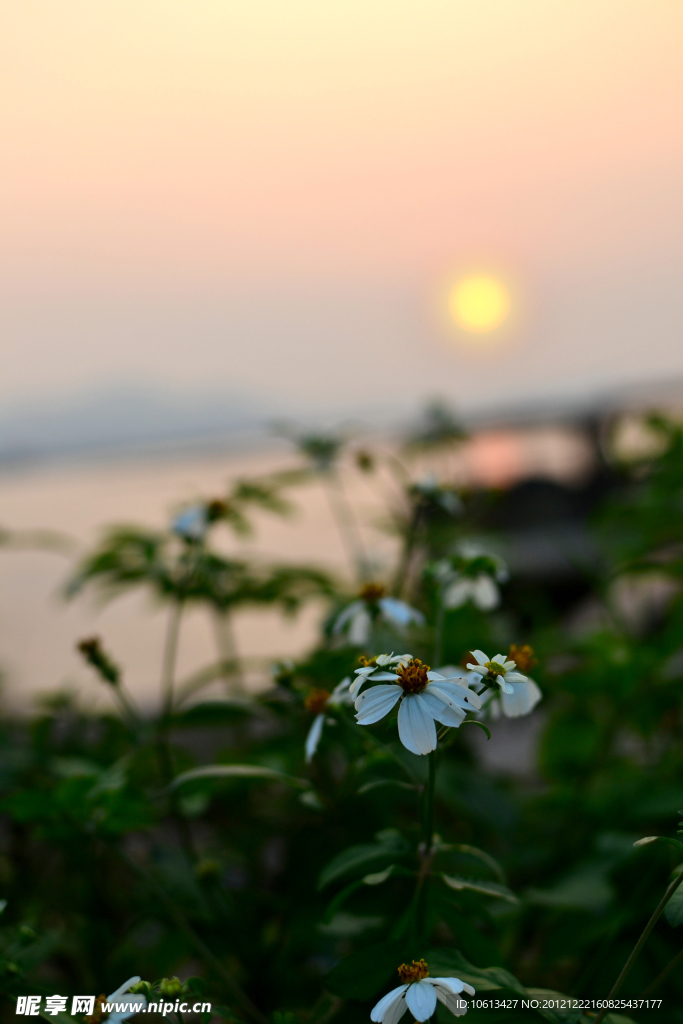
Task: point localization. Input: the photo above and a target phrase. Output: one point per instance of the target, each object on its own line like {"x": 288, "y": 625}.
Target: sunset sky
{"x": 272, "y": 198}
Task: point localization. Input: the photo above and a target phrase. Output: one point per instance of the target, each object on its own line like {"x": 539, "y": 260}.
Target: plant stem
{"x": 169, "y": 657}
{"x": 428, "y": 820}
{"x": 409, "y": 542}
{"x": 438, "y": 631}
{"x": 342, "y": 513}
{"x": 662, "y": 975}
{"x": 626, "y": 969}
{"x": 211, "y": 961}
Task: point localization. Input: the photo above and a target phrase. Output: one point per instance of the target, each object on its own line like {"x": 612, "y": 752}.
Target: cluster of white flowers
{"x": 426, "y": 697}
{"x": 419, "y": 994}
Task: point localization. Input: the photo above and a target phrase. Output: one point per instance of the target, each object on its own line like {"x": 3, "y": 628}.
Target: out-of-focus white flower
{"x": 473, "y": 574}
{"x": 318, "y": 701}
{"x": 192, "y": 523}
{"x": 426, "y": 697}
{"x": 372, "y": 605}
{"x": 446, "y": 497}
{"x": 419, "y": 994}
{"x": 480, "y": 590}
{"x": 130, "y": 1003}
{"x": 497, "y": 670}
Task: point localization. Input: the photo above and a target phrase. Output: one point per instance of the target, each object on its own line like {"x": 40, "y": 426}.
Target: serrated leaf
{"x": 485, "y": 888}
{"x": 238, "y": 771}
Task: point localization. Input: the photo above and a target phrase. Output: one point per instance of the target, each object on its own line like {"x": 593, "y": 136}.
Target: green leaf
{"x": 473, "y": 721}
{"x": 369, "y": 786}
{"x": 449, "y": 963}
{"x": 238, "y": 771}
{"x": 673, "y": 911}
{"x": 485, "y": 888}
{"x": 357, "y": 859}
{"x": 364, "y": 974}
{"x": 474, "y": 851}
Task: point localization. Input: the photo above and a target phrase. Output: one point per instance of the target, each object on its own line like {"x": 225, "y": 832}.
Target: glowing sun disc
{"x": 479, "y": 303}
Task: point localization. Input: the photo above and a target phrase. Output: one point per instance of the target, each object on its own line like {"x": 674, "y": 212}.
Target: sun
{"x": 479, "y": 303}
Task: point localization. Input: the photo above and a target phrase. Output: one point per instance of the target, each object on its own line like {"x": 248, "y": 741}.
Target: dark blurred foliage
{"x": 290, "y": 888}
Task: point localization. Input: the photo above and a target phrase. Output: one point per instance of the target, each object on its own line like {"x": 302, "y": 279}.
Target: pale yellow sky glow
{"x": 208, "y": 157}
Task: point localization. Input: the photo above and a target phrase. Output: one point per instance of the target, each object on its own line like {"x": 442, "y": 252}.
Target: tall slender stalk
{"x": 654, "y": 985}
{"x": 428, "y": 818}
{"x": 227, "y": 648}
{"x": 626, "y": 969}
{"x": 342, "y": 513}
{"x": 170, "y": 656}
{"x": 438, "y": 629}
{"x": 211, "y": 961}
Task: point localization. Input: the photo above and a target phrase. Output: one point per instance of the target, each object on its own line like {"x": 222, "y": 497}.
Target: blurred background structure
{"x": 218, "y": 215}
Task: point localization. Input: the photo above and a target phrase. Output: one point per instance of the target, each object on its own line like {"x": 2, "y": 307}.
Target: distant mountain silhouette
{"x": 125, "y": 418}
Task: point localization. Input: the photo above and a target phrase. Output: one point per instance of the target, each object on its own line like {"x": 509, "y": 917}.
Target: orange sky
{"x": 225, "y": 193}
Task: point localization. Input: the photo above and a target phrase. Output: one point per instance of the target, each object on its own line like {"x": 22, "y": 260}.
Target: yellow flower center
{"x": 495, "y": 668}
{"x": 372, "y": 592}
{"x": 413, "y": 676}
{"x": 316, "y": 700}
{"x": 413, "y": 972}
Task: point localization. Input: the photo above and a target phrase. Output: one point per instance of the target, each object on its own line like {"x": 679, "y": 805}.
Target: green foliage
{"x": 200, "y": 844}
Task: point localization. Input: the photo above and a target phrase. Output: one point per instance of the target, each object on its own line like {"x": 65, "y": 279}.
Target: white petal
{"x": 480, "y": 657}
{"x": 485, "y": 592}
{"x": 376, "y": 703}
{"x": 124, "y": 988}
{"x": 313, "y": 738}
{"x": 421, "y": 1000}
{"x": 507, "y": 665}
{"x": 515, "y": 677}
{"x": 455, "y": 1003}
{"x": 399, "y": 612}
{"x": 359, "y": 631}
{"x": 454, "y": 985}
{"x": 340, "y": 694}
{"x": 446, "y": 713}
{"x": 500, "y": 659}
{"x": 381, "y": 1009}
{"x": 378, "y": 677}
{"x": 522, "y": 700}
{"x": 468, "y": 988}
{"x": 457, "y": 593}
{"x": 416, "y": 728}
{"x": 346, "y": 615}
{"x": 462, "y": 696}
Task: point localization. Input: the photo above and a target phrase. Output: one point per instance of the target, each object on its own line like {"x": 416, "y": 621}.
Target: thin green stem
{"x": 438, "y": 630}
{"x": 170, "y": 657}
{"x": 428, "y": 819}
{"x": 381, "y": 746}
{"x": 626, "y": 969}
{"x": 211, "y": 961}
{"x": 663, "y": 974}
{"x": 342, "y": 513}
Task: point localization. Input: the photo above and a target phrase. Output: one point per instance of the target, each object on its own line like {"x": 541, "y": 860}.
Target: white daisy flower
{"x": 372, "y": 604}
{"x": 525, "y": 695}
{"x": 419, "y": 994}
{"x": 497, "y": 670}
{"x": 129, "y": 1004}
{"x": 318, "y": 701}
{"x": 481, "y": 590}
{"x": 472, "y": 575}
{"x": 426, "y": 697}
{"x": 192, "y": 523}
